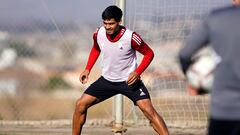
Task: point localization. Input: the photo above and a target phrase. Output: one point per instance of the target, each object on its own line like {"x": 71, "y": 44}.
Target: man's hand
{"x": 194, "y": 92}
{"x": 84, "y": 76}
{"x": 132, "y": 78}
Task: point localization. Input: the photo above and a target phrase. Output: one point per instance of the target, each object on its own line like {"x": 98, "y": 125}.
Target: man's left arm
{"x": 139, "y": 45}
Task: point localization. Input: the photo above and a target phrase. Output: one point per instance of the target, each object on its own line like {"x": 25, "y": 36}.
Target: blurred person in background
{"x": 120, "y": 72}
{"x": 221, "y": 30}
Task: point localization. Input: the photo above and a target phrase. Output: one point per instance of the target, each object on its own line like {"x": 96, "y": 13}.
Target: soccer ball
{"x": 200, "y": 73}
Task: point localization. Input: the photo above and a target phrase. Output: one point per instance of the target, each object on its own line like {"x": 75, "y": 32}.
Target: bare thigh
{"x": 87, "y": 100}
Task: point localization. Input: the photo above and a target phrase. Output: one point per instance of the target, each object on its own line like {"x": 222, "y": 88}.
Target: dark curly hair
{"x": 112, "y": 12}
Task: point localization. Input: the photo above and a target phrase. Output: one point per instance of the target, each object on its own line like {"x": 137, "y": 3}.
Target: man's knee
{"x": 81, "y": 107}
{"x": 147, "y": 108}
{"x": 149, "y": 111}
{"x": 84, "y": 103}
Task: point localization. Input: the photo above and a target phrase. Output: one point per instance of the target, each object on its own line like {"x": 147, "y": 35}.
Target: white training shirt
{"x": 118, "y": 58}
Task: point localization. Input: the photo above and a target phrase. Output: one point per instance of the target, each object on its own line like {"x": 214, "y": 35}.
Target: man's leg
{"x": 156, "y": 120}
{"x": 80, "y": 113}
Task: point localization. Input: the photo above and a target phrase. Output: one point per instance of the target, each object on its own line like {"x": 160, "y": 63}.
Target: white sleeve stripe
{"x": 137, "y": 38}
{"x": 138, "y": 42}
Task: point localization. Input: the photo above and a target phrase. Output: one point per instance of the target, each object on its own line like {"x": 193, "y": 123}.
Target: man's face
{"x": 111, "y": 26}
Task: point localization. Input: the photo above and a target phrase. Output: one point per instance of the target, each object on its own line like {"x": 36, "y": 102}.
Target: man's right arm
{"x": 93, "y": 56}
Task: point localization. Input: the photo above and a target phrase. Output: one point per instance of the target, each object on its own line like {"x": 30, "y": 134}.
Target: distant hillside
{"x": 33, "y": 25}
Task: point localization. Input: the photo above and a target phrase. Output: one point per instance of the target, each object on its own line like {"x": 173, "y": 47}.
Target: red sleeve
{"x": 95, "y": 52}
{"x": 139, "y": 45}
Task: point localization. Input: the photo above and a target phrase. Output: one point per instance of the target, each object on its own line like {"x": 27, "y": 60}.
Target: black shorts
{"x": 224, "y": 127}
{"x": 103, "y": 89}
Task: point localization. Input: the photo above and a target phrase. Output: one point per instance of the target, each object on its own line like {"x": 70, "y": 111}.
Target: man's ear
{"x": 120, "y": 22}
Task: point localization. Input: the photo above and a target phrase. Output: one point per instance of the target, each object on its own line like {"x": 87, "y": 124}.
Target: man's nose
{"x": 107, "y": 26}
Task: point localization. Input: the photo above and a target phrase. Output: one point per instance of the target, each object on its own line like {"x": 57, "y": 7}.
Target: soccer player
{"x": 221, "y": 30}
{"x": 120, "y": 72}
